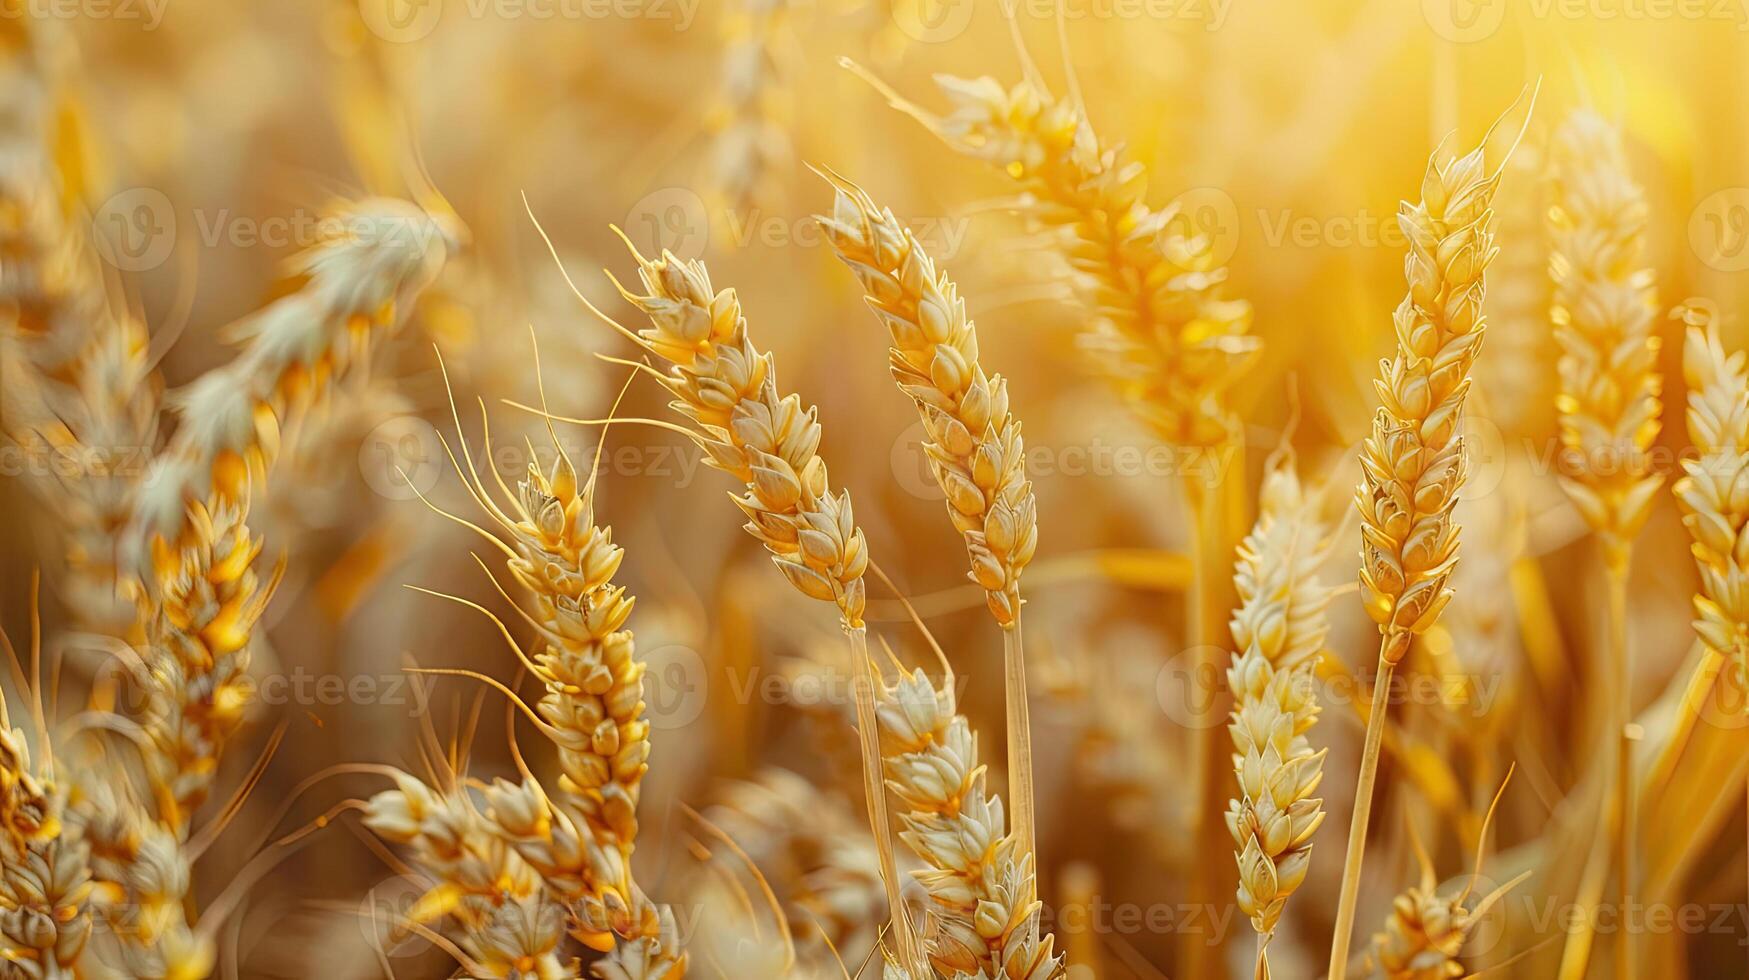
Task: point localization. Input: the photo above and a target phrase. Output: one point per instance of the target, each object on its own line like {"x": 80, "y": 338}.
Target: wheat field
{"x": 1214, "y": 489}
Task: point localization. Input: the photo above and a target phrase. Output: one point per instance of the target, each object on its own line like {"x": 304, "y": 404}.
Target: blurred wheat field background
{"x": 1348, "y": 396}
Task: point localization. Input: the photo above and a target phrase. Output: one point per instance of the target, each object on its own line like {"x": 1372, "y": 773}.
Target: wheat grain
{"x": 981, "y": 886}
{"x": 1279, "y": 629}
{"x": 1413, "y": 463}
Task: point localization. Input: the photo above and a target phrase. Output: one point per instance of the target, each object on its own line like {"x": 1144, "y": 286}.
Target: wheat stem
{"x": 1619, "y": 667}
{"x": 868, "y": 739}
{"x": 1209, "y": 610}
{"x": 1020, "y": 785}
{"x": 1369, "y": 767}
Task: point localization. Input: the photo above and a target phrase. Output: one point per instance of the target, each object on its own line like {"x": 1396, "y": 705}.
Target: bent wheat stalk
{"x": 769, "y": 442}
{"x": 1278, "y": 629}
{"x": 1603, "y": 314}
{"x": 1711, "y": 491}
{"x": 972, "y": 441}
{"x": 1412, "y": 464}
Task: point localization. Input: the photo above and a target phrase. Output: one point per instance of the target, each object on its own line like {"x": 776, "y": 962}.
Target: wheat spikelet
{"x": 1165, "y": 334}
{"x": 980, "y": 884}
{"x": 1278, "y": 629}
{"x": 973, "y": 442}
{"x": 1712, "y": 491}
{"x": 1412, "y": 464}
{"x": 1604, "y": 308}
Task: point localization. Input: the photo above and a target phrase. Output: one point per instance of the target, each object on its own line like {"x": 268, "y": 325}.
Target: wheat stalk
{"x": 1413, "y": 463}
{"x": 972, "y": 441}
{"x": 981, "y": 886}
{"x": 769, "y": 442}
{"x": 1603, "y": 314}
{"x": 1165, "y": 335}
{"x": 1279, "y": 629}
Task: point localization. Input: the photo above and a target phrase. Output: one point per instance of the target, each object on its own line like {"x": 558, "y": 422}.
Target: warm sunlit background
{"x": 201, "y": 142}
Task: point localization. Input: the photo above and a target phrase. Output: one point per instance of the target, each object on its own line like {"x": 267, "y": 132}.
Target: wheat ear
{"x": 769, "y": 442}
{"x": 581, "y": 838}
{"x": 360, "y": 279}
{"x": 76, "y": 382}
{"x": 1711, "y": 492}
{"x": 1425, "y": 932}
{"x": 1278, "y": 629}
{"x": 1166, "y": 336}
{"x": 985, "y": 921}
{"x": 1412, "y": 464}
{"x": 1604, "y": 309}
{"x": 973, "y": 442}
{"x": 507, "y": 924}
